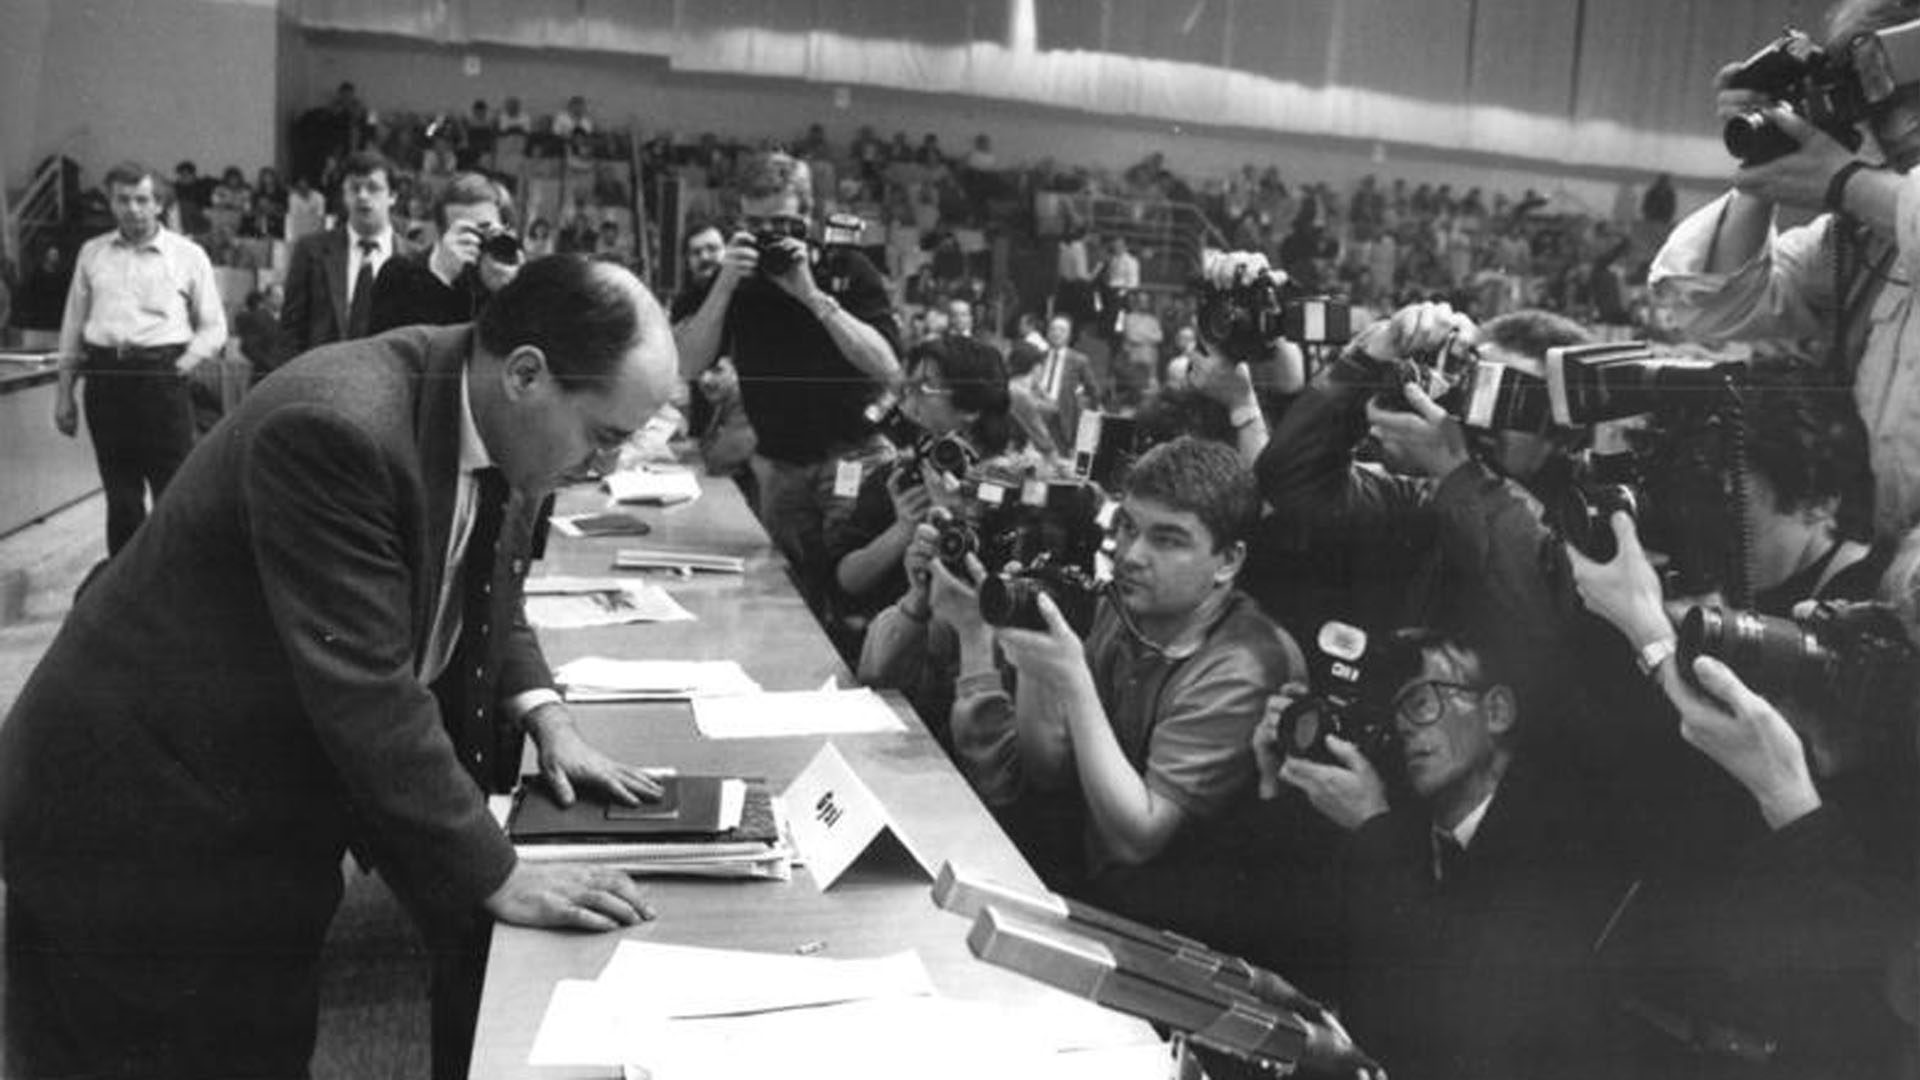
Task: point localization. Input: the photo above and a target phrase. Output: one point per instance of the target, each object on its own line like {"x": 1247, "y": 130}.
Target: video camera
{"x": 1851, "y": 660}
{"x": 1352, "y": 696}
{"x": 1833, "y": 90}
{"x": 1244, "y": 319}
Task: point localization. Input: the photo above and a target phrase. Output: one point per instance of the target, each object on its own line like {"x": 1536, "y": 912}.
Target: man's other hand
{"x": 1424, "y": 442}
{"x": 568, "y": 896}
{"x": 1626, "y": 591}
{"x": 1801, "y": 177}
{"x": 1414, "y": 330}
{"x": 1349, "y": 793}
{"x": 1267, "y": 751}
{"x": 1745, "y": 735}
{"x": 1054, "y": 655}
{"x": 66, "y": 415}
{"x": 568, "y": 762}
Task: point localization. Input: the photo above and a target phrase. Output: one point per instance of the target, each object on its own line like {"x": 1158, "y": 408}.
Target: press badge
{"x": 846, "y": 479}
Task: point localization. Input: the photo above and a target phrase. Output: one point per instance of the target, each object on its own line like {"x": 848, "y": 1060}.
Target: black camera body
{"x": 1051, "y": 532}
{"x": 1244, "y": 319}
{"x": 502, "y": 246}
{"x": 1352, "y": 694}
{"x": 775, "y": 257}
{"x": 1851, "y": 660}
{"x": 1833, "y": 90}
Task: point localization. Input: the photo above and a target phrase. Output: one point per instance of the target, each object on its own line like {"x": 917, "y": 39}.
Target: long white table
{"x": 758, "y": 619}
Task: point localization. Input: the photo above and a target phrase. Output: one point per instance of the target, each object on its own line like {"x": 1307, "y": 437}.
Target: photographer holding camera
{"x": 1794, "y": 112}
{"x": 955, "y": 403}
{"x": 474, "y": 256}
{"x": 812, "y": 334}
{"x": 1471, "y": 901}
{"x": 1771, "y": 952}
{"x": 1450, "y": 533}
{"x": 1142, "y": 728}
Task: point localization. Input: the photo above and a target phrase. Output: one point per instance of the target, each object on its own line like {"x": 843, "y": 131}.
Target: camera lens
{"x": 955, "y": 543}
{"x": 501, "y": 247}
{"x": 1011, "y": 601}
{"x": 1754, "y": 139}
{"x": 1767, "y": 650}
{"x": 950, "y": 456}
{"x": 1584, "y": 517}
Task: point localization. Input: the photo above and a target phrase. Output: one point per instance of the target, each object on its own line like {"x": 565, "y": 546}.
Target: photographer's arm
{"x": 698, "y": 336}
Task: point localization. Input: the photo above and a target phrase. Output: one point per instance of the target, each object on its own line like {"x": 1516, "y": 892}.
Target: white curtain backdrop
{"x": 1598, "y": 82}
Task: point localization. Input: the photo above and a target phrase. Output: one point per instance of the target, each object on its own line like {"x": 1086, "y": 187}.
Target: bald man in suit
{"x": 317, "y": 640}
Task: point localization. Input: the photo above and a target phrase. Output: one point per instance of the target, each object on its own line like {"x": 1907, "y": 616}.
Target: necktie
{"x": 472, "y": 725}
{"x": 1051, "y": 380}
{"x": 1449, "y": 858}
{"x": 360, "y": 302}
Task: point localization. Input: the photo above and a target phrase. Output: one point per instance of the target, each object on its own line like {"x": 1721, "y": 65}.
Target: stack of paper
{"x": 567, "y": 603}
{"x": 683, "y": 561}
{"x": 801, "y": 712}
{"x": 662, "y": 484}
{"x": 598, "y": 678}
{"x": 678, "y": 1012}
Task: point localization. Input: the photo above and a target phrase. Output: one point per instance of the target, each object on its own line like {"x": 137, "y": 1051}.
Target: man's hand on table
{"x": 568, "y": 760}
{"x": 569, "y": 895}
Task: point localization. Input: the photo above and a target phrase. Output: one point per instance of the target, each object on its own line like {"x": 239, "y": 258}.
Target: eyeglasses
{"x": 1421, "y": 703}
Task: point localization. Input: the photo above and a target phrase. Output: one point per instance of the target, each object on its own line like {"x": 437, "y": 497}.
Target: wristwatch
{"x": 1653, "y": 654}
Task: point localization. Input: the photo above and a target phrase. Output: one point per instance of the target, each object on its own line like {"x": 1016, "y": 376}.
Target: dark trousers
{"x": 140, "y": 417}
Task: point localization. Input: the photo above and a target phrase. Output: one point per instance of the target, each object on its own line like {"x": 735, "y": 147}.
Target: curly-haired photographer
{"x": 1726, "y": 275}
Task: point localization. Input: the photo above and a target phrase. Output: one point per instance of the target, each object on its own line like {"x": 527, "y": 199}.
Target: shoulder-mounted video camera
{"x": 1833, "y": 89}
{"x": 1852, "y": 661}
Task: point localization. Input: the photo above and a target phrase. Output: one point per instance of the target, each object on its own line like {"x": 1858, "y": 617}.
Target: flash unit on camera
{"x": 1341, "y": 641}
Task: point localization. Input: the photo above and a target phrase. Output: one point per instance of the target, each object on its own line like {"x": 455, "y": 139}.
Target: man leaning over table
{"x": 317, "y": 641}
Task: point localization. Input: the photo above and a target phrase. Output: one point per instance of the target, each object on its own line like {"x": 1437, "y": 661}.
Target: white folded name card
{"x": 836, "y": 818}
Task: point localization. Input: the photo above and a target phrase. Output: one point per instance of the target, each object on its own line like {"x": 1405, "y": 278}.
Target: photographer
{"x": 1470, "y": 903}
{"x": 955, "y": 397}
{"x": 474, "y": 256}
{"x": 1843, "y": 278}
{"x": 813, "y": 337}
{"x": 1769, "y": 954}
{"x": 1143, "y": 728}
{"x": 1452, "y": 536}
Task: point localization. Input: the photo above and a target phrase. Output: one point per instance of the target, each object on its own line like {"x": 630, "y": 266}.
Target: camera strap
{"x": 1856, "y": 284}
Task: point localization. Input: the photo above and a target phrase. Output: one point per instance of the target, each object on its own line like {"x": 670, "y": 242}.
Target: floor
{"x": 373, "y": 1012}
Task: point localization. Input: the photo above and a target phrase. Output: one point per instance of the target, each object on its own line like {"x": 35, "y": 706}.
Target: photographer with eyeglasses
{"x": 1471, "y": 886}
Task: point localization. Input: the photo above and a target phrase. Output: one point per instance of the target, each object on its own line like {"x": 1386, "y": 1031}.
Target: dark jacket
{"x": 408, "y": 293}
{"x": 236, "y": 696}
{"x": 315, "y": 310}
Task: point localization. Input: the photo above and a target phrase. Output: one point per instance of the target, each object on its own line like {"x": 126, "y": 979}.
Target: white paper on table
{"x": 562, "y": 584}
{"x": 599, "y": 678}
{"x": 927, "y": 1038}
{"x": 794, "y": 712}
{"x": 626, "y": 602}
{"x": 681, "y": 981}
{"x": 653, "y": 485}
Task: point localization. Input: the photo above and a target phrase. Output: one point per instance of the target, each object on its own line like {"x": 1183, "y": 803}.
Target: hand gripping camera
{"x": 1054, "y": 534}
{"x": 1833, "y": 90}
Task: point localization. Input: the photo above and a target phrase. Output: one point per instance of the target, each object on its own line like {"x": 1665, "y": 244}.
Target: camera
{"x": 1583, "y": 516}
{"x": 1052, "y": 532}
{"x": 502, "y": 246}
{"x": 950, "y": 453}
{"x": 1851, "y": 660}
{"x": 1587, "y": 384}
{"x": 1243, "y": 320}
{"x": 1352, "y": 696}
{"x": 1834, "y": 90}
{"x": 775, "y": 257}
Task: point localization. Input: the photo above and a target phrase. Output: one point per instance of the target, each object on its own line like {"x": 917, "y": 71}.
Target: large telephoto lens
{"x": 1764, "y": 650}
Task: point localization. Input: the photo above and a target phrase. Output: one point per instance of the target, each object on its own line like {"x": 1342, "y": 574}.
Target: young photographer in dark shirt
{"x": 475, "y": 255}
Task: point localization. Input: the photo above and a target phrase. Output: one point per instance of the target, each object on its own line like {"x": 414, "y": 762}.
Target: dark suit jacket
{"x": 236, "y": 694}
{"x": 1485, "y": 975}
{"x": 408, "y": 294}
{"x": 315, "y": 310}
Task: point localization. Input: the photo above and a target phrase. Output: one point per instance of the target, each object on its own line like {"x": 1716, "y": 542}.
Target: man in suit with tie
{"x": 317, "y": 641}
{"x": 330, "y": 276}
{"x": 1063, "y": 382}
{"x": 1472, "y": 904}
